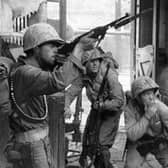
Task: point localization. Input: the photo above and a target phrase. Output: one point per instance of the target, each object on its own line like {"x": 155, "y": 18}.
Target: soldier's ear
{"x": 36, "y": 51}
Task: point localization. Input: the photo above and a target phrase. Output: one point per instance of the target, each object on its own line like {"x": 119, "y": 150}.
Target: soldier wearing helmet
{"x": 146, "y": 119}
{"x": 32, "y": 78}
{"x": 109, "y": 107}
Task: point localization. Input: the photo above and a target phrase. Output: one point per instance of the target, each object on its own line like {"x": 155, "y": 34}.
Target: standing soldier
{"x": 146, "y": 124}
{"x": 31, "y": 79}
{"x": 106, "y": 96}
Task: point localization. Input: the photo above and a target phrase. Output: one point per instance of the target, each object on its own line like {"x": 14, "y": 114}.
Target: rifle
{"x": 99, "y": 32}
{"x": 77, "y": 119}
{"x": 148, "y": 144}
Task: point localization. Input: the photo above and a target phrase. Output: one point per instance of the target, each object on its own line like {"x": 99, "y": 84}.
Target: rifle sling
{"x": 103, "y": 82}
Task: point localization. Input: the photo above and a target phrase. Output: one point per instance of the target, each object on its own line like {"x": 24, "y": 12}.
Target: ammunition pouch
{"x": 13, "y": 156}
{"x": 16, "y": 152}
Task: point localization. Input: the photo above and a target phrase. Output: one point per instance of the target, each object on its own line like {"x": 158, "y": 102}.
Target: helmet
{"x": 91, "y": 55}
{"x": 142, "y": 84}
{"x": 38, "y": 34}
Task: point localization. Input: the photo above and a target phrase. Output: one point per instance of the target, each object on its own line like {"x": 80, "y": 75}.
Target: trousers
{"x": 32, "y": 154}
{"x": 102, "y": 159}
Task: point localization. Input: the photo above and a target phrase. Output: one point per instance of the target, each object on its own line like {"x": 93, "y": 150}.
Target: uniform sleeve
{"x": 116, "y": 98}
{"x": 38, "y": 82}
{"x": 135, "y": 129}
{"x": 73, "y": 91}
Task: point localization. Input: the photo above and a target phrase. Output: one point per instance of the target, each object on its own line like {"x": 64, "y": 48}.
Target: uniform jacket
{"x": 113, "y": 102}
{"x": 114, "y": 90}
{"x": 137, "y": 125}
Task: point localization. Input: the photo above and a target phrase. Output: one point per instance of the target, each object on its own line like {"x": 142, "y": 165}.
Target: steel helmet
{"x": 38, "y": 34}
{"x": 91, "y": 55}
{"x": 142, "y": 84}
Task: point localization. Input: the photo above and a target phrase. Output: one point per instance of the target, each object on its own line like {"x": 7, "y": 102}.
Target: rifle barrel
{"x": 116, "y": 21}
{"x": 101, "y": 31}
{"x": 129, "y": 19}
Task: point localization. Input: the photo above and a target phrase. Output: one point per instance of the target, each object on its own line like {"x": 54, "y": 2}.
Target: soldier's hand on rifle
{"x": 97, "y": 105}
{"x": 150, "y": 109}
{"x": 67, "y": 112}
{"x": 85, "y": 43}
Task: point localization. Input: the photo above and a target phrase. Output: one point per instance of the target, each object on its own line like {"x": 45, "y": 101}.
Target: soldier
{"x": 146, "y": 120}
{"x": 103, "y": 120}
{"x": 31, "y": 79}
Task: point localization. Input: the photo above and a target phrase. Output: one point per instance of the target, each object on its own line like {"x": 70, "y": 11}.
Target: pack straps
{"x": 20, "y": 112}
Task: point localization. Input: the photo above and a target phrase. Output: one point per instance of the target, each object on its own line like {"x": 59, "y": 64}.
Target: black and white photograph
{"x": 83, "y": 84}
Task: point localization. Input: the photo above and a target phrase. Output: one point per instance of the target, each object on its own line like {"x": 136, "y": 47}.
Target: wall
{"x": 146, "y": 24}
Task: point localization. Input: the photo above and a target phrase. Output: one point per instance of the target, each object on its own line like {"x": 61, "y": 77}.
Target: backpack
{"x": 5, "y": 103}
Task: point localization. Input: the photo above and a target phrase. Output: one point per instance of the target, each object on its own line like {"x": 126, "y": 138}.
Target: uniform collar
{"x": 25, "y": 61}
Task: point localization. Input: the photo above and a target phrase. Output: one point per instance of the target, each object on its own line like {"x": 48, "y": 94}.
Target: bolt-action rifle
{"x": 99, "y": 32}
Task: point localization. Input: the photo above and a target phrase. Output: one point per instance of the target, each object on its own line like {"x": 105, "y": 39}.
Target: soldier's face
{"x": 48, "y": 53}
{"x": 93, "y": 66}
{"x": 147, "y": 97}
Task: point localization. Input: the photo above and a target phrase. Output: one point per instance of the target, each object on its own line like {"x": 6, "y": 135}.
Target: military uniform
{"x": 111, "y": 107}
{"x": 29, "y": 144}
{"x": 139, "y": 127}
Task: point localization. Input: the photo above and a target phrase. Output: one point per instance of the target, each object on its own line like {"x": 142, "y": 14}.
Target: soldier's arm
{"x": 71, "y": 69}
{"x": 135, "y": 129}
{"x": 73, "y": 91}
{"x": 116, "y": 99}
{"x": 38, "y": 82}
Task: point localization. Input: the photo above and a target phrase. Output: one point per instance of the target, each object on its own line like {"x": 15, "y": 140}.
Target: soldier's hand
{"x": 150, "y": 110}
{"x": 85, "y": 43}
{"x": 97, "y": 105}
{"x": 67, "y": 112}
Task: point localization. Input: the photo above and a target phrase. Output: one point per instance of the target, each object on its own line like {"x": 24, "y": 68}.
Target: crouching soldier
{"x": 146, "y": 120}
{"x": 106, "y": 96}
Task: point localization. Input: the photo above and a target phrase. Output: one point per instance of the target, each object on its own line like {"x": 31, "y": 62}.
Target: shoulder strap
{"x": 19, "y": 110}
